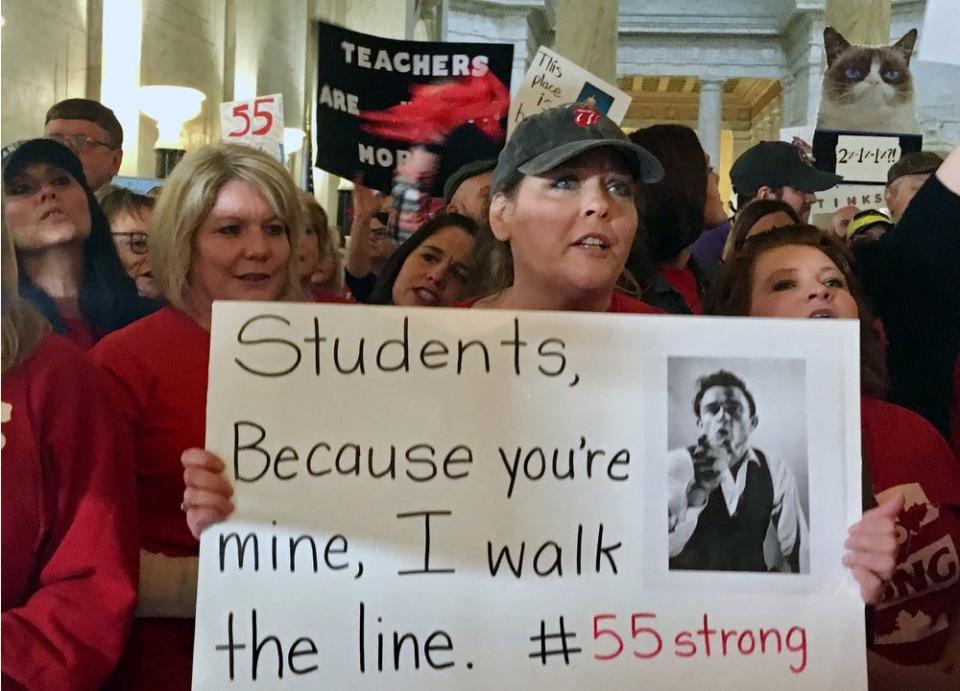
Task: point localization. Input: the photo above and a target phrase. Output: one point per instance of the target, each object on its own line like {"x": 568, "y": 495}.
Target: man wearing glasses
{"x": 724, "y": 495}
{"x": 94, "y": 134}
{"x": 129, "y": 215}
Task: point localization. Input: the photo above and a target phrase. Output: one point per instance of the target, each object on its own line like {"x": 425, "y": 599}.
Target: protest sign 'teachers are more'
{"x": 360, "y": 74}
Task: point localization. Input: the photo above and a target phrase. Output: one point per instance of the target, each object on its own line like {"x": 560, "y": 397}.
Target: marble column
{"x": 788, "y": 115}
{"x": 742, "y": 140}
{"x": 776, "y": 117}
{"x": 761, "y": 124}
{"x": 709, "y": 116}
{"x": 865, "y": 22}
{"x": 814, "y": 78}
{"x": 587, "y": 34}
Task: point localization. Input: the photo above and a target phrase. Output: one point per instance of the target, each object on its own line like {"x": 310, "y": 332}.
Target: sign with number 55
{"x": 256, "y": 122}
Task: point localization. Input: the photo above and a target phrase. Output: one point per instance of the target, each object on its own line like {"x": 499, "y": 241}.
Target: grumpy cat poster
{"x": 868, "y": 89}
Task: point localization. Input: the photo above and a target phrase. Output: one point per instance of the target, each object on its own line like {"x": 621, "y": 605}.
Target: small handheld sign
{"x": 552, "y": 80}
{"x": 863, "y": 159}
{"x": 256, "y": 122}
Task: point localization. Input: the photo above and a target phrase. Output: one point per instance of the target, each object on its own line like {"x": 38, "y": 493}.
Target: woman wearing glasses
{"x": 69, "y": 269}
{"x": 129, "y": 214}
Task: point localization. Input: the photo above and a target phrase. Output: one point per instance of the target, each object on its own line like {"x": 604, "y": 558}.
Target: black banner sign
{"x": 379, "y": 98}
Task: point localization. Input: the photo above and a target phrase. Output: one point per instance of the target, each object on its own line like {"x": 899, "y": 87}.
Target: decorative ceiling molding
{"x": 497, "y": 8}
{"x": 681, "y": 24}
{"x": 676, "y": 98}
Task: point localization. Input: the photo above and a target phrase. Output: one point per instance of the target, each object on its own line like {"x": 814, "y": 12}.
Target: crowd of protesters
{"x": 107, "y": 300}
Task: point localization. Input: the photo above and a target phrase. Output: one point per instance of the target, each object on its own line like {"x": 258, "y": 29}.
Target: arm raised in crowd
{"x": 366, "y": 203}
{"x": 925, "y": 244}
{"x": 920, "y": 296}
{"x": 949, "y": 172}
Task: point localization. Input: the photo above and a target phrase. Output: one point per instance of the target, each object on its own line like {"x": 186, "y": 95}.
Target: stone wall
{"x": 44, "y": 58}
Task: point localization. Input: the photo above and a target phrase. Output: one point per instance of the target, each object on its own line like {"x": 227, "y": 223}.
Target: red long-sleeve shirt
{"x": 69, "y": 524}
{"x": 156, "y": 373}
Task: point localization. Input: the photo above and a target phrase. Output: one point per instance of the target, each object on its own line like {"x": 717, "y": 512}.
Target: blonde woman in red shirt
{"x": 226, "y": 227}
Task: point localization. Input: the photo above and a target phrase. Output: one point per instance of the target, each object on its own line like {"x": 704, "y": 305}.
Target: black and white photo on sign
{"x": 737, "y": 465}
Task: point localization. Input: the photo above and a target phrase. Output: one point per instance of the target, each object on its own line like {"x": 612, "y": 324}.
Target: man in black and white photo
{"x": 725, "y": 494}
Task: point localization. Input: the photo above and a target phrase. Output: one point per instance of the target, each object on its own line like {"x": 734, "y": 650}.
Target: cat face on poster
{"x": 868, "y": 89}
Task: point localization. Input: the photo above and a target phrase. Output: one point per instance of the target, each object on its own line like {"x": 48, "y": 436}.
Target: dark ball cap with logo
{"x": 545, "y": 140}
{"x": 776, "y": 164}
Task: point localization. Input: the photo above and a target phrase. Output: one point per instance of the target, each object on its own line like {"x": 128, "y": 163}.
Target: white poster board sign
{"x": 462, "y": 499}
{"x": 860, "y": 196}
{"x": 866, "y": 158}
{"x": 552, "y": 80}
{"x": 256, "y": 122}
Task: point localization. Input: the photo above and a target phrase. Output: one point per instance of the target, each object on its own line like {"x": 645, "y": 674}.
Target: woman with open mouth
{"x": 564, "y": 206}
{"x": 432, "y": 267}
{"x": 800, "y": 272}
{"x": 225, "y": 227}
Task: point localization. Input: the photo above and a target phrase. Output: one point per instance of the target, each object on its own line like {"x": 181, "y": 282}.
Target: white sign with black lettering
{"x": 866, "y": 158}
{"x": 552, "y": 81}
{"x": 461, "y": 499}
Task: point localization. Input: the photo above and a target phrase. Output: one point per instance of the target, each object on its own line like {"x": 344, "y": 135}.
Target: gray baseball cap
{"x": 464, "y": 173}
{"x": 547, "y": 139}
{"x": 914, "y": 163}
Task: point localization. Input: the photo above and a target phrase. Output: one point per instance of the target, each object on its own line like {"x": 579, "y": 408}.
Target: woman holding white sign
{"x": 798, "y": 271}
{"x": 226, "y": 226}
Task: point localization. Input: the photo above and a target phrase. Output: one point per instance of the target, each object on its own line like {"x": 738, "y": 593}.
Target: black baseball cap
{"x": 775, "y": 164}
{"x": 914, "y": 163}
{"x": 464, "y": 173}
{"x": 20, "y": 154}
{"x": 549, "y": 138}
